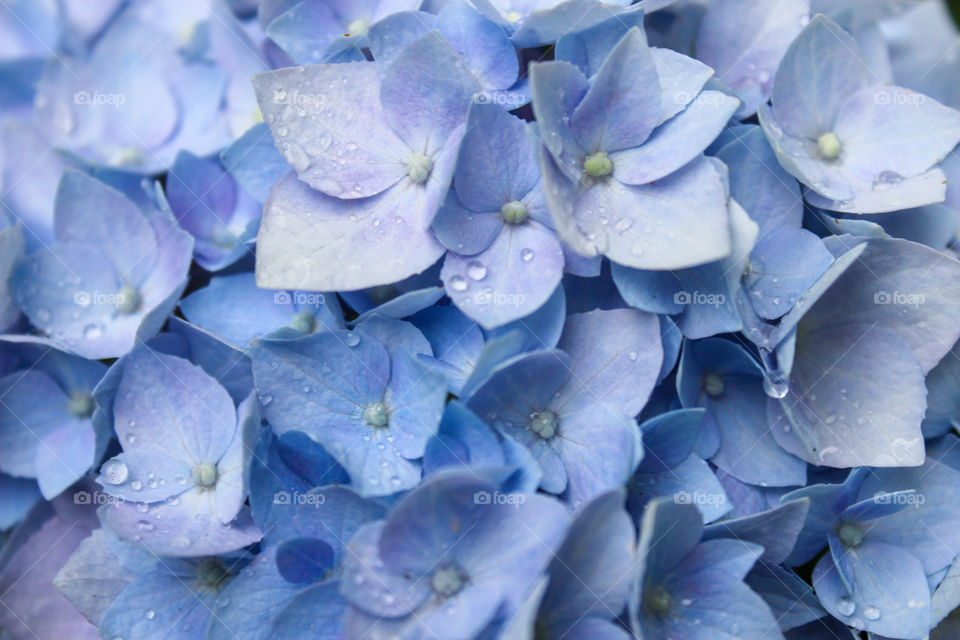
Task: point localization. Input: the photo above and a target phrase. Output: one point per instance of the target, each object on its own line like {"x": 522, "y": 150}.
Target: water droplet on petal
{"x": 845, "y": 606}
{"x": 458, "y": 283}
{"x": 526, "y": 255}
{"x": 114, "y": 472}
{"x": 352, "y": 339}
{"x": 871, "y": 613}
{"x": 92, "y": 331}
{"x": 476, "y": 270}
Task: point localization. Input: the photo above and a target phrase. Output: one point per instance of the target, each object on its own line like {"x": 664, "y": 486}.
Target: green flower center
{"x": 830, "y": 146}
{"x": 713, "y": 384}
{"x": 544, "y": 424}
{"x": 127, "y": 300}
{"x": 657, "y": 602}
{"x": 850, "y": 534}
{"x": 514, "y": 212}
{"x": 205, "y": 475}
{"x": 80, "y": 404}
{"x": 419, "y": 167}
{"x": 303, "y": 322}
{"x": 447, "y": 582}
{"x": 598, "y": 165}
{"x": 375, "y": 415}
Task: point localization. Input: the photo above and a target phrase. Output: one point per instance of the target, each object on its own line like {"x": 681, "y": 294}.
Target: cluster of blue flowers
{"x": 479, "y": 319}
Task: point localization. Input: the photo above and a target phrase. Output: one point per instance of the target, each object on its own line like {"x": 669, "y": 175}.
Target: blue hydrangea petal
{"x": 775, "y": 530}
{"x": 390, "y": 36}
{"x": 542, "y": 328}
{"x": 89, "y": 212}
{"x": 547, "y": 21}
{"x": 588, "y": 48}
{"x": 254, "y": 161}
{"x": 890, "y": 129}
{"x": 747, "y": 449}
{"x": 209, "y": 204}
{"x": 456, "y": 341}
{"x": 757, "y": 181}
{"x": 170, "y": 529}
{"x": 522, "y": 382}
{"x": 373, "y": 588}
{"x": 897, "y": 267}
{"x": 177, "y": 606}
{"x": 669, "y": 439}
{"x": 215, "y": 306}
{"x": 676, "y": 142}
{"x": 304, "y": 560}
{"x": 317, "y": 612}
{"x": 348, "y": 120}
{"x": 615, "y": 357}
{"x": 306, "y": 30}
{"x": 710, "y": 578}
{"x": 250, "y": 601}
{"x": 510, "y": 279}
{"x": 690, "y": 482}
{"x": 151, "y": 475}
{"x": 617, "y": 111}
{"x": 309, "y": 241}
{"x": 497, "y": 162}
{"x": 783, "y": 265}
{"x": 927, "y": 527}
{"x": 481, "y": 42}
{"x": 681, "y": 80}
{"x": 807, "y": 95}
{"x": 18, "y": 496}
{"x": 168, "y": 404}
{"x": 464, "y": 231}
{"x": 886, "y": 579}
{"x": 852, "y": 422}
{"x": 33, "y": 408}
{"x": 415, "y": 398}
{"x": 668, "y": 532}
{"x": 589, "y": 576}
{"x": 426, "y": 93}
{"x": 791, "y": 600}
{"x": 558, "y": 88}
{"x": 943, "y": 395}
{"x": 745, "y": 41}
{"x": 641, "y": 219}
{"x": 462, "y": 439}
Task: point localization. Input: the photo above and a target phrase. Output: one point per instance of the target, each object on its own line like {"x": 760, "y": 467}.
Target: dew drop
{"x": 352, "y": 339}
{"x": 114, "y": 472}
{"x": 476, "y": 270}
{"x": 92, "y": 331}
{"x": 845, "y": 606}
{"x": 871, "y": 613}
{"x": 136, "y": 485}
{"x": 526, "y": 255}
{"x": 149, "y": 614}
{"x": 458, "y": 283}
